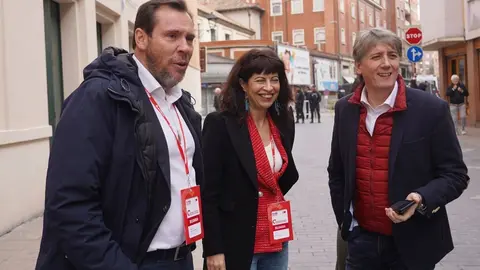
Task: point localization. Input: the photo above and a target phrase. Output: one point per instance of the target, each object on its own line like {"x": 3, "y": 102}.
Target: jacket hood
{"x": 113, "y": 61}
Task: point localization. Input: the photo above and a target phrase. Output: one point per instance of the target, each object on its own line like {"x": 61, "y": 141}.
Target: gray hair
{"x": 369, "y": 38}
{"x": 454, "y": 76}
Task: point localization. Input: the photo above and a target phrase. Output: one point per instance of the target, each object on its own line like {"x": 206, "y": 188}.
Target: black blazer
{"x": 425, "y": 156}
{"x": 230, "y": 191}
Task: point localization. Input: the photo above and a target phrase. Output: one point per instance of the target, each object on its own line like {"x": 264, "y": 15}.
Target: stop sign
{"x": 413, "y": 35}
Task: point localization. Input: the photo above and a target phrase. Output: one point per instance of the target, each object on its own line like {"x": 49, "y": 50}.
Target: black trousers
{"x": 299, "y": 112}
{"x": 315, "y": 110}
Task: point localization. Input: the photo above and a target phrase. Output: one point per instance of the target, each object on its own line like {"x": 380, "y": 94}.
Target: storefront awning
{"x": 348, "y": 79}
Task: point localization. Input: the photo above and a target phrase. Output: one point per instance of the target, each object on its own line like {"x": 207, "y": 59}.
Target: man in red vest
{"x": 392, "y": 143}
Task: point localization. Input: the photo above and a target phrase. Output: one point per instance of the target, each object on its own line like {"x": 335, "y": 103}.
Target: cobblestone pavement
{"x": 314, "y": 225}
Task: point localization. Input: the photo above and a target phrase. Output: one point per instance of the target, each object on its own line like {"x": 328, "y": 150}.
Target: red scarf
{"x": 267, "y": 183}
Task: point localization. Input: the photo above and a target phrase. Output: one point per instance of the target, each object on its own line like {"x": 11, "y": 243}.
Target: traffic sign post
{"x": 415, "y": 54}
{"x": 414, "y": 36}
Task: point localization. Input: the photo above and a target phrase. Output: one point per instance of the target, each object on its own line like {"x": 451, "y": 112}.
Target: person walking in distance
{"x": 458, "y": 94}
{"x": 299, "y": 101}
{"x": 126, "y": 157}
{"x": 216, "y": 98}
{"x": 395, "y": 164}
{"x": 315, "y": 98}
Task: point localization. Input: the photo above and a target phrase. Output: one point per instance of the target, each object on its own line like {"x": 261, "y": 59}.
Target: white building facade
{"x": 44, "y": 46}
{"x": 215, "y": 26}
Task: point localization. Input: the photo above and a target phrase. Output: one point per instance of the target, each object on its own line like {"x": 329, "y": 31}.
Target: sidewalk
{"x": 314, "y": 226}
{"x": 19, "y": 248}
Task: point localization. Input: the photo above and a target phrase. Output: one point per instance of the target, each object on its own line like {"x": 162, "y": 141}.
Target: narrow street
{"x": 315, "y": 230}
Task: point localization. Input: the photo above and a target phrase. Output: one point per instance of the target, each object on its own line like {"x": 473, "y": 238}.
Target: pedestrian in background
{"x": 457, "y": 95}
{"x": 392, "y": 144}
{"x": 299, "y": 102}
{"x": 249, "y": 167}
{"x": 315, "y": 99}
{"x": 216, "y": 98}
{"x": 422, "y": 86}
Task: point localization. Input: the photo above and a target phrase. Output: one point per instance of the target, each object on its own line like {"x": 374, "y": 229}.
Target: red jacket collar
{"x": 400, "y": 100}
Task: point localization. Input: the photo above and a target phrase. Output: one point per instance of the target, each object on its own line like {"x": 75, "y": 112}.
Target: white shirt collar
{"x": 390, "y": 101}
{"x": 154, "y": 87}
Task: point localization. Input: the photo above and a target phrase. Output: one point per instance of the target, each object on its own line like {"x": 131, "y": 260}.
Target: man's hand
{"x": 216, "y": 262}
{"x": 460, "y": 90}
{"x": 396, "y": 218}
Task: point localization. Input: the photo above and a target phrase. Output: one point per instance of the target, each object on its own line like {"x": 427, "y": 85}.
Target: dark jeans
{"x": 271, "y": 261}
{"x": 342, "y": 251}
{"x": 184, "y": 264}
{"x": 373, "y": 251}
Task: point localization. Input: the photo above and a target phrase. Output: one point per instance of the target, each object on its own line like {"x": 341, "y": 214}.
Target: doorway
{"x": 457, "y": 65}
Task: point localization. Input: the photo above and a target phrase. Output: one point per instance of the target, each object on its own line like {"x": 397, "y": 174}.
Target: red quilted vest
{"x": 372, "y": 165}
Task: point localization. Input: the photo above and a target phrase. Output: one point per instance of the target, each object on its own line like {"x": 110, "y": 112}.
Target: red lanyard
{"x": 183, "y": 151}
{"x": 272, "y": 143}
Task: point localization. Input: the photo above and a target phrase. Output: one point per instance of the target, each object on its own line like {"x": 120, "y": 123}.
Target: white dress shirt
{"x": 372, "y": 116}
{"x": 170, "y": 233}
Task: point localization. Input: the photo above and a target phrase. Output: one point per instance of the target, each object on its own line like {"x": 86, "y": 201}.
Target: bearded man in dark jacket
{"x": 115, "y": 171}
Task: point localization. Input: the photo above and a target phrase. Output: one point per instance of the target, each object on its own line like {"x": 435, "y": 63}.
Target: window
{"x": 362, "y": 15}
{"x": 213, "y": 35}
{"x": 354, "y": 37}
{"x": 277, "y": 36}
{"x": 342, "y": 6}
{"x": 384, "y": 5}
{"x": 354, "y": 11}
{"x": 319, "y": 34}
{"x": 398, "y": 13}
{"x": 384, "y": 24}
{"x": 297, "y": 6}
{"x": 227, "y": 36}
{"x": 370, "y": 19}
{"x": 298, "y": 37}
{"x": 199, "y": 29}
{"x": 343, "y": 38}
{"x": 318, "y": 5}
{"x": 99, "y": 38}
{"x": 377, "y": 20}
{"x": 276, "y": 8}
{"x": 399, "y": 32}
{"x": 402, "y": 17}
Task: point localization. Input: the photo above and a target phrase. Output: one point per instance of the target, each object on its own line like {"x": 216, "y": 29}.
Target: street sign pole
{"x": 414, "y": 37}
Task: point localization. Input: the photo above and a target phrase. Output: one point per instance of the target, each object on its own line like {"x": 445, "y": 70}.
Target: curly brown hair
{"x": 256, "y": 61}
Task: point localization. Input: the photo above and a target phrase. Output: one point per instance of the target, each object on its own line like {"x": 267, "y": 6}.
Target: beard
{"x": 163, "y": 77}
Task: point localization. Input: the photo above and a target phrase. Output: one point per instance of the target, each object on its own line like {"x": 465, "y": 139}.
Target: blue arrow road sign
{"x": 414, "y": 54}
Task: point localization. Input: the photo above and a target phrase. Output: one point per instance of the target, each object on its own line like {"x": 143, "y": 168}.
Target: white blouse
{"x": 278, "y": 158}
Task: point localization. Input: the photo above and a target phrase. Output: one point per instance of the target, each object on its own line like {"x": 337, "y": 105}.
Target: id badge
{"x": 192, "y": 214}
{"x": 280, "y": 222}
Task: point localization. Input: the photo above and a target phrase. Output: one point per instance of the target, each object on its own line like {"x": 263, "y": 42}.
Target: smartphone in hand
{"x": 401, "y": 207}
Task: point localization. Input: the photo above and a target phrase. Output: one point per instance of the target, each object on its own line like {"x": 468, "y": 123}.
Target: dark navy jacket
{"x": 424, "y": 157}
{"x": 108, "y": 179}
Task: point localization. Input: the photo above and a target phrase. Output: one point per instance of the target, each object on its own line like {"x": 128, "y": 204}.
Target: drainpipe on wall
{"x": 339, "y": 40}
{"x": 286, "y": 21}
